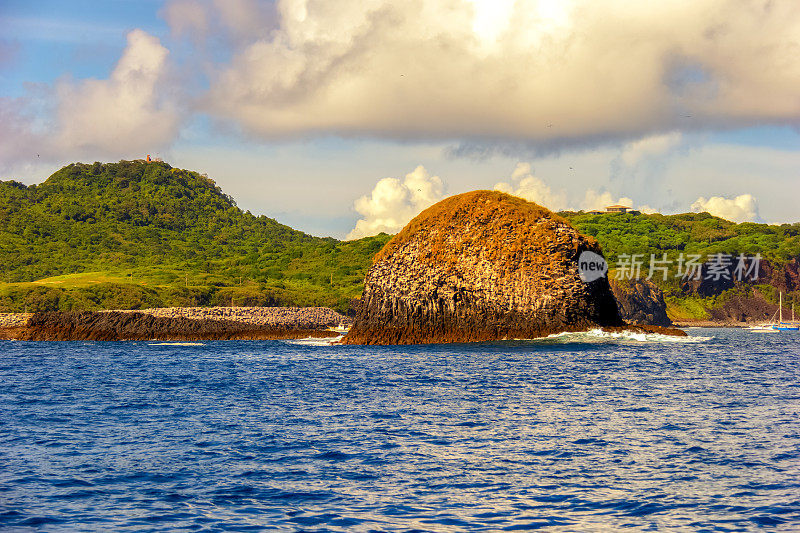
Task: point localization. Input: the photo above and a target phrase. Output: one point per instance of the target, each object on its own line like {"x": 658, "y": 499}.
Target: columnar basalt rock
{"x": 481, "y": 266}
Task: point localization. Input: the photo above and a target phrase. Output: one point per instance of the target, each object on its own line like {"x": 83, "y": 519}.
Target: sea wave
{"x": 276, "y": 436}
{"x": 314, "y": 341}
{"x": 599, "y": 336}
{"x": 591, "y": 336}
{"x": 176, "y": 344}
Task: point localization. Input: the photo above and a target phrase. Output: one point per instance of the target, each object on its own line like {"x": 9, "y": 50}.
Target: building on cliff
{"x": 613, "y": 209}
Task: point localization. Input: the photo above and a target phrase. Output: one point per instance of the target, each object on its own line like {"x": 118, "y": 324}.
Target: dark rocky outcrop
{"x": 746, "y": 306}
{"x": 119, "y": 326}
{"x": 481, "y": 266}
{"x": 784, "y": 277}
{"x": 640, "y": 301}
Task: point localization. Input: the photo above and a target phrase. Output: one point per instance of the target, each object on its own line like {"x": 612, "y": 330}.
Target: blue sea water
{"x": 581, "y": 432}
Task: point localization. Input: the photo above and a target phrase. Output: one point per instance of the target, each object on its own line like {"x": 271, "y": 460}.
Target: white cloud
{"x": 393, "y": 203}
{"x": 743, "y": 208}
{"x": 525, "y": 185}
{"x": 126, "y": 115}
{"x": 535, "y": 70}
{"x": 652, "y": 146}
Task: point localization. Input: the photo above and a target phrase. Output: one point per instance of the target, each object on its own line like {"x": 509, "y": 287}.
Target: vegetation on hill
{"x": 688, "y": 233}
{"x": 140, "y": 234}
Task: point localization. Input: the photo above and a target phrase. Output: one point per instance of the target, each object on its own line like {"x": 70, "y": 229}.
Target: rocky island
{"x": 481, "y": 266}
{"x": 174, "y": 324}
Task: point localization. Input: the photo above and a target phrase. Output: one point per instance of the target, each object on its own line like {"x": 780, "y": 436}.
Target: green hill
{"x": 690, "y": 233}
{"x": 136, "y": 234}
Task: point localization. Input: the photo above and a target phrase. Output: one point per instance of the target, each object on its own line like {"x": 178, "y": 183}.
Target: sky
{"x": 346, "y": 118}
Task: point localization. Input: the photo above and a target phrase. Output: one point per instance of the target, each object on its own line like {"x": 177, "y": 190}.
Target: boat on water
{"x": 341, "y": 329}
{"x": 785, "y": 326}
{"x": 773, "y": 326}
{"x": 762, "y": 328}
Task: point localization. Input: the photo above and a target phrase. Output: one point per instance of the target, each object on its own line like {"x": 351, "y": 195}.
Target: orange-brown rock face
{"x": 481, "y": 266}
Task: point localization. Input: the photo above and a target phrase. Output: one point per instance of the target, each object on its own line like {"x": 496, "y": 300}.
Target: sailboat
{"x": 781, "y": 325}
{"x": 767, "y": 327}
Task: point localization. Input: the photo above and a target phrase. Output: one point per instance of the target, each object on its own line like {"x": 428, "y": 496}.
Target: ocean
{"x": 580, "y": 432}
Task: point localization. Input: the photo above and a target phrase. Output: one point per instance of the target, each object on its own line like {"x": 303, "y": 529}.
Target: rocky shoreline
{"x": 279, "y": 317}
{"x": 174, "y": 324}
{"x": 193, "y": 324}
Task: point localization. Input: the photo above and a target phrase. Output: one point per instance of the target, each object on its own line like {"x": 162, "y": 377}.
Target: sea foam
{"x": 599, "y": 336}
{"x": 314, "y": 341}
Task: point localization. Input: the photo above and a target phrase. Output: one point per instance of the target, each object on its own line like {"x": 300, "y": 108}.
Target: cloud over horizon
{"x": 525, "y": 185}
{"x": 114, "y": 117}
{"x": 743, "y": 208}
{"x": 538, "y": 71}
{"x": 394, "y": 202}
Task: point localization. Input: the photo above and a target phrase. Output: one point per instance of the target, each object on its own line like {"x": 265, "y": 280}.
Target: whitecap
{"x": 176, "y": 344}
{"x": 598, "y": 336}
{"x": 314, "y": 341}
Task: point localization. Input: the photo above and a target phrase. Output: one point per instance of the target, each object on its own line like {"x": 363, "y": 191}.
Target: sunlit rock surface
{"x": 481, "y": 266}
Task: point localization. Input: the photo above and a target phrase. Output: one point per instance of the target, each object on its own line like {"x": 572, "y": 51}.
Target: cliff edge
{"x": 640, "y": 301}
{"x": 481, "y": 266}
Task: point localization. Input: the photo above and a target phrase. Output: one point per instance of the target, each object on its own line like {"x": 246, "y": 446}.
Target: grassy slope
{"x": 323, "y": 275}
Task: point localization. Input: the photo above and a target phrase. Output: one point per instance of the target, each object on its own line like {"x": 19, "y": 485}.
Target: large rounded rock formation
{"x": 481, "y": 266}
